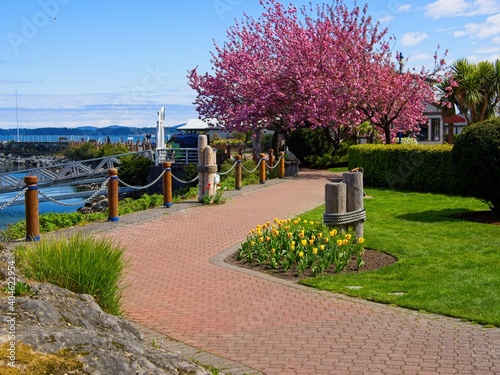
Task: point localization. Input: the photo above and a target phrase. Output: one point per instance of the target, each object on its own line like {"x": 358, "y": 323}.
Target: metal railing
{"x": 176, "y": 155}
{"x": 91, "y": 169}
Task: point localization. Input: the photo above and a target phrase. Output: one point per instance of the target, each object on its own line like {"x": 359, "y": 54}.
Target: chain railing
{"x": 7, "y": 204}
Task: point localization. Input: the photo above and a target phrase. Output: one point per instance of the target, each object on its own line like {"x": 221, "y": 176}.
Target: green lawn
{"x": 445, "y": 265}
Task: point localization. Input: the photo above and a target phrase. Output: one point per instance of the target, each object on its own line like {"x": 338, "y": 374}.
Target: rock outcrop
{"x": 53, "y": 320}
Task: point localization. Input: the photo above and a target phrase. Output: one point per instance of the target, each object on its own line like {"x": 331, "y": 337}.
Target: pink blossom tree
{"x": 289, "y": 69}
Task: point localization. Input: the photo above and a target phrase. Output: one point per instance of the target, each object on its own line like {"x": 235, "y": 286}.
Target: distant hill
{"x": 90, "y": 131}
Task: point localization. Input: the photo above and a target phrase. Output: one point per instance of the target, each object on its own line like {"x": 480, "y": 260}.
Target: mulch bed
{"x": 373, "y": 260}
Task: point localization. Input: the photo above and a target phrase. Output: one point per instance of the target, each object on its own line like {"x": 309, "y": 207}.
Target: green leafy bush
{"x": 134, "y": 169}
{"x": 424, "y": 168}
{"x": 81, "y": 264}
{"x": 476, "y": 162}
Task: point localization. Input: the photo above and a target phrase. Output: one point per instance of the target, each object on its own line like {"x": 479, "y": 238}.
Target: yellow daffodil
{"x": 301, "y": 234}
{"x": 320, "y": 235}
{"x": 289, "y": 235}
{"x": 313, "y": 237}
{"x": 326, "y": 239}
{"x": 311, "y": 242}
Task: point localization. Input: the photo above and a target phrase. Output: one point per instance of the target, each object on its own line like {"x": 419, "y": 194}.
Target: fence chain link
{"x": 142, "y": 187}
{"x": 275, "y": 165}
{"x": 230, "y": 169}
{"x": 74, "y": 204}
{"x": 7, "y": 204}
{"x": 185, "y": 182}
{"x": 256, "y": 167}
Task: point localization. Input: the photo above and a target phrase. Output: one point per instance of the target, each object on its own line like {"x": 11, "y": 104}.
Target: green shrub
{"x": 476, "y": 162}
{"x": 81, "y": 264}
{"x": 84, "y": 152}
{"x": 134, "y": 169}
{"x": 424, "y": 168}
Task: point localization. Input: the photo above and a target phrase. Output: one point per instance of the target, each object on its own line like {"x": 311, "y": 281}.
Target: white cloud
{"x": 411, "y": 39}
{"x": 461, "y": 8}
{"x": 487, "y": 29}
{"x": 404, "y": 8}
{"x": 386, "y": 18}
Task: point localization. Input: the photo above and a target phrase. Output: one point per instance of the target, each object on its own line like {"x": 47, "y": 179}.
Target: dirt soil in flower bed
{"x": 373, "y": 260}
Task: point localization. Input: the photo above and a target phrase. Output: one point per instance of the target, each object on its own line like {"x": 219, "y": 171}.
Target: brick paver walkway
{"x": 176, "y": 286}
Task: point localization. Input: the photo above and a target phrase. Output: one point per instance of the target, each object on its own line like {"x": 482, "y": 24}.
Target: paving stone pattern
{"x": 178, "y": 287}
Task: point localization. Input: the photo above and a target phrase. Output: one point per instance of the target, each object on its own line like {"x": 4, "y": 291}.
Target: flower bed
{"x": 300, "y": 245}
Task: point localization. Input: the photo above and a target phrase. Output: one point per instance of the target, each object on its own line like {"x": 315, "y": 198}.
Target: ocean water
{"x": 16, "y": 212}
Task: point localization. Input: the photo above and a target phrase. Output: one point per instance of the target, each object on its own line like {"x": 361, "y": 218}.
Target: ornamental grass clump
{"x": 300, "y": 245}
{"x": 84, "y": 265}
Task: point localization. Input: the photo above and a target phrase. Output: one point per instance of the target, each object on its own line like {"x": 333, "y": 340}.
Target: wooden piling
{"x": 113, "y": 195}
{"x": 238, "y": 173}
{"x": 281, "y": 166}
{"x": 354, "y": 182}
{"x": 32, "y": 211}
{"x": 335, "y": 201}
{"x": 167, "y": 184}
{"x": 262, "y": 169}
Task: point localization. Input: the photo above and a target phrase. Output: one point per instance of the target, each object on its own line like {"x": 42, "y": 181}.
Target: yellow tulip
{"x": 345, "y": 242}
{"x": 273, "y": 250}
{"x": 315, "y": 250}
{"x": 301, "y": 254}
{"x": 292, "y": 248}
{"x": 311, "y": 223}
{"x": 322, "y": 247}
{"x": 296, "y": 222}
{"x": 326, "y": 239}
{"x": 292, "y": 243}
{"x": 320, "y": 235}
{"x": 268, "y": 238}
{"x": 304, "y": 242}
{"x": 289, "y": 235}
{"x": 333, "y": 232}
{"x": 348, "y": 236}
{"x": 361, "y": 240}
{"x": 311, "y": 242}
{"x": 261, "y": 239}
{"x": 252, "y": 243}
{"x": 313, "y": 237}
{"x": 339, "y": 242}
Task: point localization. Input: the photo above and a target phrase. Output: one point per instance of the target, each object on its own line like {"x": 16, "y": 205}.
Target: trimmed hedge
{"x": 423, "y": 168}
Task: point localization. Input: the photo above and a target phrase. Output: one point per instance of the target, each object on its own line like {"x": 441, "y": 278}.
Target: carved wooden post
{"x": 281, "y": 166}
{"x": 202, "y": 144}
{"x": 31, "y": 206}
{"x": 207, "y": 168}
{"x": 354, "y": 182}
{"x": 335, "y": 203}
{"x": 238, "y": 173}
{"x": 167, "y": 184}
{"x": 113, "y": 195}
{"x": 262, "y": 169}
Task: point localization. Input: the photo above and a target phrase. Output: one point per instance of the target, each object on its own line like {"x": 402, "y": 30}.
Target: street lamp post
{"x": 17, "y": 120}
{"x": 401, "y": 61}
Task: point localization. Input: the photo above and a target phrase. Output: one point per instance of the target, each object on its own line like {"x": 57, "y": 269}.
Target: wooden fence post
{"x": 335, "y": 201}
{"x": 202, "y": 144}
{"x": 271, "y": 158}
{"x": 262, "y": 169}
{"x": 354, "y": 182}
{"x": 238, "y": 173}
{"x": 113, "y": 195}
{"x": 281, "y": 166}
{"x": 167, "y": 184}
{"x": 31, "y": 206}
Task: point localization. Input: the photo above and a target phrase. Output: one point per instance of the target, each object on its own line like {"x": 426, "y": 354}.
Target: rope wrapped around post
{"x": 343, "y": 218}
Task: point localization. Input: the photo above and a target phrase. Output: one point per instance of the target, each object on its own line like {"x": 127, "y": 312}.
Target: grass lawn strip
{"x": 446, "y": 265}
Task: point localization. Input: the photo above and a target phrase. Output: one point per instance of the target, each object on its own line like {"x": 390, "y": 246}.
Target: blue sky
{"x": 94, "y": 62}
